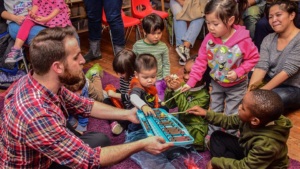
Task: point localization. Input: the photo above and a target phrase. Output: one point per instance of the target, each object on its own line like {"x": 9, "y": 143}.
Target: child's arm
{"x": 49, "y": 17}
{"x": 113, "y": 94}
{"x": 140, "y": 104}
{"x": 166, "y": 62}
{"x": 250, "y": 58}
{"x": 32, "y": 12}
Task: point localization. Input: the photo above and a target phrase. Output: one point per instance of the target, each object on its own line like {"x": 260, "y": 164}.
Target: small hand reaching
{"x": 148, "y": 110}
{"x": 41, "y": 19}
{"x": 197, "y": 110}
{"x": 185, "y": 87}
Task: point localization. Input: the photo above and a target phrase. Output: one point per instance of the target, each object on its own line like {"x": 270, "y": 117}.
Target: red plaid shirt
{"x": 33, "y": 129}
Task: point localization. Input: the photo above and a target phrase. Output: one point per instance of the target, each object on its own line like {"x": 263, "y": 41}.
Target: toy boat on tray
{"x": 166, "y": 126}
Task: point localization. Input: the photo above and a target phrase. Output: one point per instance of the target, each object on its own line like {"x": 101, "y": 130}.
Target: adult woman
{"x": 15, "y": 14}
{"x": 279, "y": 64}
{"x": 185, "y": 35}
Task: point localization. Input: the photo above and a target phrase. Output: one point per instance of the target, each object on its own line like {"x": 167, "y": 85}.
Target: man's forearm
{"x": 104, "y": 111}
{"x": 114, "y": 154}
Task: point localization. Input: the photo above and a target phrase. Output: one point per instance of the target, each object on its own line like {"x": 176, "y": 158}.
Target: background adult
{"x": 5, "y": 41}
{"x": 254, "y": 11}
{"x": 15, "y": 15}
{"x": 263, "y": 28}
{"x": 279, "y": 56}
{"x": 185, "y": 34}
{"x": 33, "y": 131}
{"x": 112, "y": 10}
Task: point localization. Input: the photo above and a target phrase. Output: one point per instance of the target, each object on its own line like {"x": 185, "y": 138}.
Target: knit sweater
{"x": 264, "y": 147}
{"x": 160, "y": 51}
{"x": 274, "y": 61}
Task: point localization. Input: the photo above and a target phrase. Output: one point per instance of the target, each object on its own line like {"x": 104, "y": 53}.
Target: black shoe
{"x": 90, "y": 56}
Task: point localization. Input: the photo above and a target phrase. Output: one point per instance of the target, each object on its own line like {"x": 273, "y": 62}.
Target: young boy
{"x": 90, "y": 87}
{"x": 143, "y": 93}
{"x": 263, "y": 133}
{"x": 198, "y": 95}
{"x": 153, "y": 26}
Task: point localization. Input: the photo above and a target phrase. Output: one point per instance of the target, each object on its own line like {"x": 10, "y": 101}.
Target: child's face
{"x": 216, "y": 27}
{"x": 186, "y": 70}
{"x": 147, "y": 78}
{"x": 153, "y": 37}
{"x": 244, "y": 111}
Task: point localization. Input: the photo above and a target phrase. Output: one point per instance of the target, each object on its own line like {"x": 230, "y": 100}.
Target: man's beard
{"x": 70, "y": 79}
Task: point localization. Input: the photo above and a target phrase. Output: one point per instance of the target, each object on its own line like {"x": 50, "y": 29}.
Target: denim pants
{"x": 112, "y": 9}
{"x": 172, "y": 158}
{"x": 13, "y": 29}
{"x": 183, "y": 32}
{"x": 289, "y": 95}
{"x": 252, "y": 15}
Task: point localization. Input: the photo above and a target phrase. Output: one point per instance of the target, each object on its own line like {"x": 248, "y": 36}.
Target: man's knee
{"x": 95, "y": 139}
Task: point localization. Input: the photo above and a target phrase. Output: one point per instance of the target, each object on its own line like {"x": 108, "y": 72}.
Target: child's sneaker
{"x": 14, "y": 55}
{"x": 183, "y": 52}
{"x": 95, "y": 69}
{"x": 116, "y": 128}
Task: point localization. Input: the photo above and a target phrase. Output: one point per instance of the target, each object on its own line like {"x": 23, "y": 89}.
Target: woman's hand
{"x": 197, "y": 110}
{"x": 231, "y": 75}
{"x": 19, "y": 19}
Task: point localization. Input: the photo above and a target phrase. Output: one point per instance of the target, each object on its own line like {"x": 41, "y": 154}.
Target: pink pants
{"x": 25, "y": 29}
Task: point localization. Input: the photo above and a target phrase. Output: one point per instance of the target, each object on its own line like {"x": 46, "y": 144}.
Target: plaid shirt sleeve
{"x": 50, "y": 137}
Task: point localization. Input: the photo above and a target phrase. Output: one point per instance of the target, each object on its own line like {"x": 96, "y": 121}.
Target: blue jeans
{"x": 183, "y": 32}
{"x": 252, "y": 15}
{"x": 112, "y": 9}
{"x": 290, "y": 96}
{"x": 172, "y": 158}
{"x": 13, "y": 29}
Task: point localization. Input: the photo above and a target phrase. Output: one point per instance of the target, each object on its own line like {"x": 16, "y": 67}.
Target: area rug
{"x": 103, "y": 126}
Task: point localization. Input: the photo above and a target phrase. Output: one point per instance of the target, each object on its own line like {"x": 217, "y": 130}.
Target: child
{"x": 88, "y": 87}
{"x": 263, "y": 137}
{"x": 229, "y": 52}
{"x": 50, "y": 13}
{"x": 143, "y": 93}
{"x": 123, "y": 65}
{"x": 153, "y": 26}
{"x": 198, "y": 95}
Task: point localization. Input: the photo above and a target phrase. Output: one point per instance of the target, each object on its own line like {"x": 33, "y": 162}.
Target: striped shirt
{"x": 33, "y": 130}
{"x": 124, "y": 88}
{"x": 160, "y": 51}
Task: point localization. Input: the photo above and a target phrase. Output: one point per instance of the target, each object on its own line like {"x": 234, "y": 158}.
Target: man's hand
{"x": 132, "y": 116}
{"x": 197, "y": 110}
{"x": 155, "y": 144}
{"x": 208, "y": 165}
{"x": 148, "y": 110}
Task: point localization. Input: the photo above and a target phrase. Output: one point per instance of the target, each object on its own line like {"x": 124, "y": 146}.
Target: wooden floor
{"x": 106, "y": 63}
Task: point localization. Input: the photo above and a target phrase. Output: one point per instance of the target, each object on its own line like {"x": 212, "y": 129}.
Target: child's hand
{"x": 231, "y": 75}
{"x": 148, "y": 110}
{"x": 197, "y": 110}
{"x": 111, "y": 93}
{"x": 32, "y": 14}
{"x": 175, "y": 84}
{"x": 185, "y": 87}
{"x": 41, "y": 19}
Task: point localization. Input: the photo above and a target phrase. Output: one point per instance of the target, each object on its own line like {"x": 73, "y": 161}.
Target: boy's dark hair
{"x": 48, "y": 47}
{"x": 267, "y": 107}
{"x": 287, "y": 6}
{"x": 145, "y": 62}
{"x": 152, "y": 22}
{"x": 78, "y": 86}
{"x": 123, "y": 63}
{"x": 224, "y": 9}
